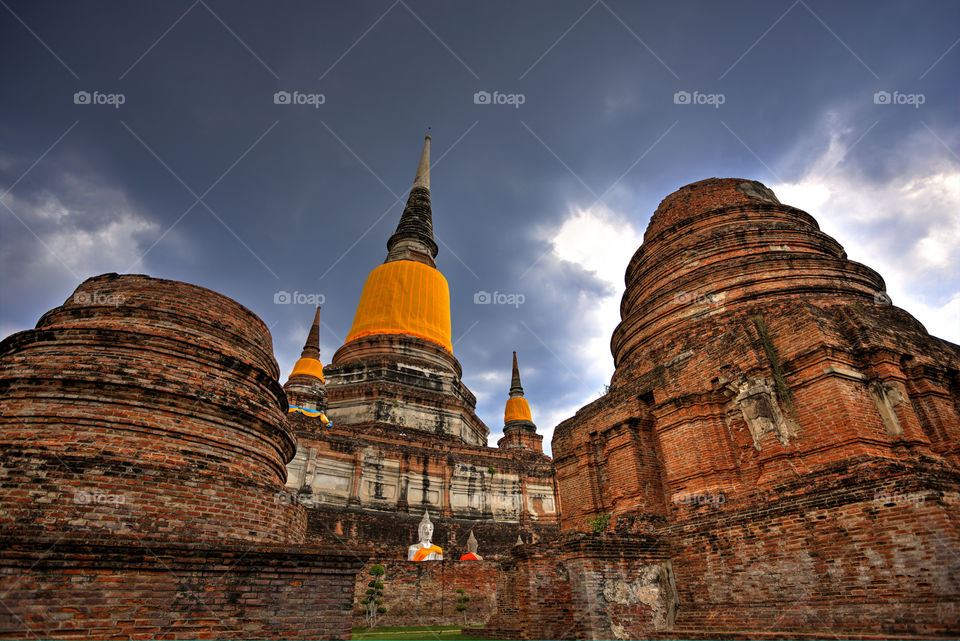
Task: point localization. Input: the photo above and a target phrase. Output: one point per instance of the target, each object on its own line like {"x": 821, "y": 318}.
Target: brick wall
{"x": 131, "y": 588}
{"x": 791, "y": 435}
{"x": 860, "y": 549}
{"x": 390, "y": 534}
{"x": 425, "y": 593}
{"x": 585, "y": 586}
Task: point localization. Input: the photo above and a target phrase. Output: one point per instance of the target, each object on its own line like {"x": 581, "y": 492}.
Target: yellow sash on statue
{"x": 425, "y": 552}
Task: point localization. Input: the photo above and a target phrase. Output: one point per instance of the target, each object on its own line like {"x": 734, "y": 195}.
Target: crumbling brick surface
{"x": 791, "y": 436}
{"x": 425, "y": 593}
{"x": 149, "y": 406}
{"x": 123, "y": 587}
{"x": 585, "y": 586}
{"x": 143, "y": 451}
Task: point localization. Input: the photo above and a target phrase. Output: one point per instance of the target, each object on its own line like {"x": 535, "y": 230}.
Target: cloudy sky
{"x": 145, "y": 137}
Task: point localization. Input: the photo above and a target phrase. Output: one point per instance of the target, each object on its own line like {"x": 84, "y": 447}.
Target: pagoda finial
{"x": 413, "y": 239}
{"x": 311, "y": 349}
{"x": 422, "y": 179}
{"x": 515, "y": 388}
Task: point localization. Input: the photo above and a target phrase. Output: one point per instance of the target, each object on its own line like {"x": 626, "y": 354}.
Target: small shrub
{"x": 373, "y": 603}
{"x": 462, "y": 601}
{"x": 598, "y": 522}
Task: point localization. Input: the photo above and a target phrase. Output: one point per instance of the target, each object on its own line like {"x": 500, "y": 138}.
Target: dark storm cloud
{"x": 203, "y": 178}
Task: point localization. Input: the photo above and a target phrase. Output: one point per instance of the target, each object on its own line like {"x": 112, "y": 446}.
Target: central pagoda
{"x": 396, "y": 369}
{"x": 388, "y": 431}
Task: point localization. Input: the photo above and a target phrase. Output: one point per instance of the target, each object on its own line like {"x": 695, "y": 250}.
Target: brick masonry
{"x": 778, "y": 452}
{"x": 148, "y": 406}
{"x": 389, "y": 535}
{"x": 143, "y": 451}
{"x": 120, "y": 587}
{"x": 425, "y": 593}
{"x": 370, "y": 484}
{"x": 585, "y": 587}
{"x": 776, "y": 423}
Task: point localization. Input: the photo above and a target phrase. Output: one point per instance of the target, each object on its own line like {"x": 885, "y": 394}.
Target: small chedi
{"x": 472, "y": 547}
{"x": 424, "y": 549}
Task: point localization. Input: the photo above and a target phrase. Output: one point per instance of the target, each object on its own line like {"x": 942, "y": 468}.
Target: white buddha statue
{"x": 424, "y": 549}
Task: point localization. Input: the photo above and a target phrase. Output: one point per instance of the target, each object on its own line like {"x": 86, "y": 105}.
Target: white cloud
{"x": 602, "y": 242}
{"x": 74, "y": 228}
{"x": 905, "y": 226}
{"x": 942, "y": 321}
{"x": 87, "y": 231}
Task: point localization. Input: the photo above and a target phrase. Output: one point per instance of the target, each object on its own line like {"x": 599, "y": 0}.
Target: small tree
{"x": 374, "y": 601}
{"x": 462, "y": 603}
{"x": 598, "y": 522}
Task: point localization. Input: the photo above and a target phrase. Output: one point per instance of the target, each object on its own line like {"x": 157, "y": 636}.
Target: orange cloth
{"x": 424, "y": 552}
{"x": 469, "y": 556}
{"x": 404, "y": 297}
{"x": 309, "y": 367}
{"x": 517, "y": 410}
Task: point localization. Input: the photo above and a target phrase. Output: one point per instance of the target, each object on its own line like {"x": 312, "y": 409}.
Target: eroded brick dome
{"x": 726, "y": 243}
{"x": 146, "y": 406}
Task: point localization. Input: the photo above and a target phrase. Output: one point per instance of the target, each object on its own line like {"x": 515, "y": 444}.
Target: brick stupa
{"x": 142, "y": 462}
{"x": 778, "y": 450}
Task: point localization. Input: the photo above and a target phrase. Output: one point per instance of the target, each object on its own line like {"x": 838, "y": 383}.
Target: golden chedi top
{"x": 517, "y": 408}
{"x": 407, "y": 294}
{"x": 309, "y": 362}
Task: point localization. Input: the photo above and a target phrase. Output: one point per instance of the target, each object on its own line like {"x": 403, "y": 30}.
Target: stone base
{"x": 585, "y": 587}
{"x": 128, "y": 588}
{"x": 862, "y": 549}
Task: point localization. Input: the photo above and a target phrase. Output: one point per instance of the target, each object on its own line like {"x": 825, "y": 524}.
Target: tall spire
{"x": 309, "y": 363}
{"x": 311, "y": 349}
{"x": 413, "y": 239}
{"x": 515, "y": 388}
{"x": 306, "y": 388}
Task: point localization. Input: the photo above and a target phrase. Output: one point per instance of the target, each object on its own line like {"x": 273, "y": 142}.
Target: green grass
{"x": 408, "y": 628}
{"x": 414, "y": 632}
